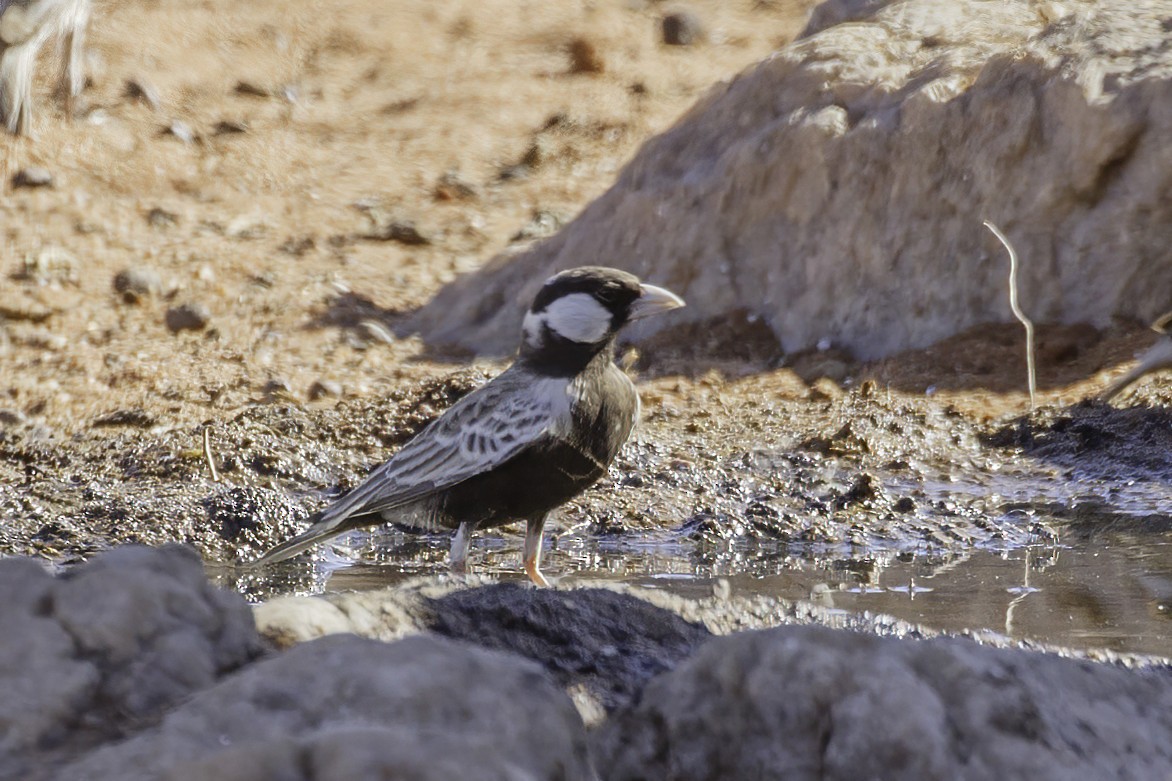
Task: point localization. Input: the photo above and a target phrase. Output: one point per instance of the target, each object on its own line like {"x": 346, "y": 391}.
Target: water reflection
{"x": 1112, "y": 592}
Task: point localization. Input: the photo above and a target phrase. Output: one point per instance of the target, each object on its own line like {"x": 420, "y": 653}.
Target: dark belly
{"x": 529, "y": 485}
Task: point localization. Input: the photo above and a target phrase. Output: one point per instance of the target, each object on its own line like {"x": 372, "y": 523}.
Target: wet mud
{"x": 859, "y": 498}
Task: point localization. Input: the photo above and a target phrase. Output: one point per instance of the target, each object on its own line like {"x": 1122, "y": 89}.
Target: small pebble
{"x": 23, "y": 309}
{"x": 141, "y": 90}
{"x": 187, "y": 317}
{"x": 12, "y": 417}
{"x": 180, "y": 130}
{"x": 825, "y": 389}
{"x": 229, "y": 127}
{"x": 321, "y": 389}
{"x": 252, "y": 90}
{"x": 45, "y": 340}
{"x": 535, "y": 156}
{"x": 246, "y": 226}
{"x": 50, "y": 264}
{"x": 375, "y": 331}
{"x": 681, "y": 28}
{"x": 276, "y": 390}
{"x": 297, "y": 245}
{"x": 161, "y": 218}
{"x": 1052, "y": 12}
{"x": 451, "y": 187}
{"x": 134, "y": 284}
{"x": 31, "y": 178}
{"x": 402, "y": 231}
{"x": 585, "y": 57}
{"x": 543, "y": 223}
{"x": 135, "y": 418}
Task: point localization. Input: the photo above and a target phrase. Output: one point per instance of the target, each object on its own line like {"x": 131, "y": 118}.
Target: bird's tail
{"x": 319, "y": 532}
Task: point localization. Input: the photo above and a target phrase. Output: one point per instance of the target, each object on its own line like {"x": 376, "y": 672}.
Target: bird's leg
{"x": 532, "y": 558}
{"x": 458, "y": 559}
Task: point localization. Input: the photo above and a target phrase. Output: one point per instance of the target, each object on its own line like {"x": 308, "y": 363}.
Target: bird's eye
{"x": 607, "y": 295}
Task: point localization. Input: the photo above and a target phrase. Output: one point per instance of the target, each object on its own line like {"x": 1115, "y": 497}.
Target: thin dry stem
{"x": 207, "y": 453}
{"x": 1020, "y": 315}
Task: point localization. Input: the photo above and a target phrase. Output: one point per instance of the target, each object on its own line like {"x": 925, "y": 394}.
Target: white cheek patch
{"x": 578, "y": 317}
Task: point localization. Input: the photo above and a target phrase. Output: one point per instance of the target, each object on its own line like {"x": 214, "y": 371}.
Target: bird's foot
{"x": 535, "y": 575}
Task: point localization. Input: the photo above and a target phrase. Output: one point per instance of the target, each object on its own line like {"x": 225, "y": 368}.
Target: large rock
{"x": 601, "y": 645}
{"x": 837, "y": 189}
{"x": 812, "y": 703}
{"x": 107, "y": 647}
{"x": 133, "y": 666}
{"x": 347, "y": 707}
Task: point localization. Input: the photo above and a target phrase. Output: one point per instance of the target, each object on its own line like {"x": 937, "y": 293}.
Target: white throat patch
{"x": 532, "y": 327}
{"x": 577, "y": 317}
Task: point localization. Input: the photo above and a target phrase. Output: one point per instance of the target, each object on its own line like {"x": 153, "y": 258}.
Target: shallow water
{"x": 1113, "y": 592}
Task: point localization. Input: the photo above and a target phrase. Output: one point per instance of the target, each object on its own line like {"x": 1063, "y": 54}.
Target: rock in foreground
{"x": 813, "y": 704}
{"x": 133, "y": 667}
{"x": 344, "y": 707}
{"x": 109, "y": 646}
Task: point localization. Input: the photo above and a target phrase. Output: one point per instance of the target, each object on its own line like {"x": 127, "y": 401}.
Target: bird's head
{"x": 577, "y": 314}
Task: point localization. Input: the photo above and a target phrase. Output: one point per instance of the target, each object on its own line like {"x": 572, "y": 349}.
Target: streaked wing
{"x": 482, "y": 431}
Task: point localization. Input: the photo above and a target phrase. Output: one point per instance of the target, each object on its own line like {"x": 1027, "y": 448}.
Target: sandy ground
{"x": 313, "y": 125}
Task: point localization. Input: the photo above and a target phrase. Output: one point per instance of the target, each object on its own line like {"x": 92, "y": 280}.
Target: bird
{"x": 25, "y": 26}
{"x": 529, "y": 440}
{"x": 1158, "y": 356}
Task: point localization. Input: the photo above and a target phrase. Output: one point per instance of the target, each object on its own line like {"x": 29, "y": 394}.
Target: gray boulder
{"x": 601, "y": 645}
{"x": 837, "y": 189}
{"x": 348, "y": 707}
{"x": 812, "y": 703}
{"x": 107, "y": 647}
{"x": 133, "y": 666}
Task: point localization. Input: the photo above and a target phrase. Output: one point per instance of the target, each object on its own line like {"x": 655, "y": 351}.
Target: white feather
{"x": 578, "y": 317}
{"x": 532, "y": 328}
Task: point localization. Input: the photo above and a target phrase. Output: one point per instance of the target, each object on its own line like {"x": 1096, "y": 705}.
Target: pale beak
{"x": 652, "y": 301}
{"x": 1158, "y": 356}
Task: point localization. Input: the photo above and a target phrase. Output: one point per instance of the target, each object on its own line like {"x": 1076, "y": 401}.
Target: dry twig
{"x": 1020, "y": 315}
{"x": 207, "y": 453}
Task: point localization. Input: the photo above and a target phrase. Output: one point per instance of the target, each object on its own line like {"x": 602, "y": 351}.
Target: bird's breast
{"x": 604, "y": 413}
